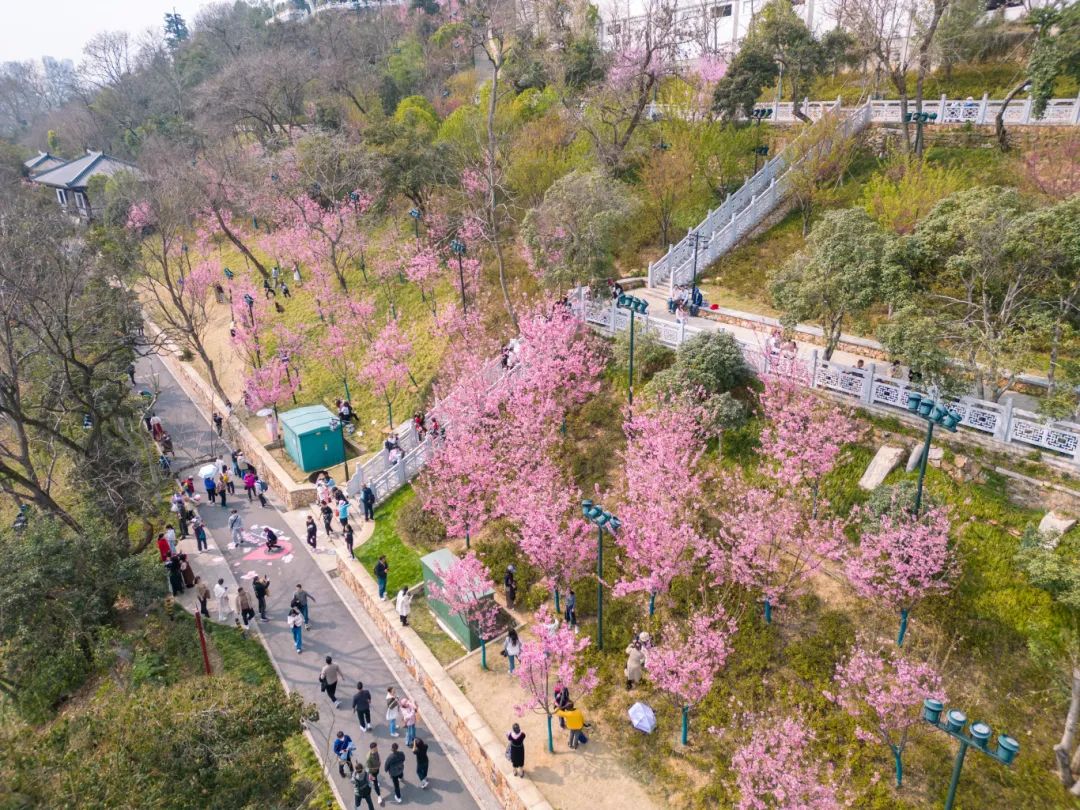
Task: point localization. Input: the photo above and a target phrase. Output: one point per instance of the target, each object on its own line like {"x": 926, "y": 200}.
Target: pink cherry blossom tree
{"x": 348, "y": 328}
{"x": 552, "y": 533}
{"x": 549, "y": 660}
{"x": 884, "y": 692}
{"x": 769, "y": 544}
{"x": 685, "y": 667}
{"x": 776, "y": 769}
{"x": 902, "y": 560}
{"x": 250, "y": 316}
{"x": 269, "y": 386}
{"x": 663, "y": 491}
{"x": 423, "y": 269}
{"x": 466, "y": 591}
{"x": 803, "y": 436}
{"x": 385, "y": 367}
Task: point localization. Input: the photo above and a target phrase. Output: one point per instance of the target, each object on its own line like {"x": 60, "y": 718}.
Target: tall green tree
{"x": 837, "y": 276}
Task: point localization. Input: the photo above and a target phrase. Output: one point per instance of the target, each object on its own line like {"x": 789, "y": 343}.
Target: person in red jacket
{"x": 163, "y": 547}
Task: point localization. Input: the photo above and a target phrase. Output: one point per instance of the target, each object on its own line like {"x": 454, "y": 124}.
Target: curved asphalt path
{"x": 338, "y": 628}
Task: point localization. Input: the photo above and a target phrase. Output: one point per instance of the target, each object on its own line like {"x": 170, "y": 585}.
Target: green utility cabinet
{"x": 430, "y": 564}
{"x": 312, "y": 437}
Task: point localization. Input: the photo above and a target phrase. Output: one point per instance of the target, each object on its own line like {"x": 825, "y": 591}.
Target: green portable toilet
{"x": 430, "y": 564}
{"x": 312, "y": 437}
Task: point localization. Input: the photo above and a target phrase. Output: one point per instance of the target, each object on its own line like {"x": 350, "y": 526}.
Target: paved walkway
{"x": 339, "y": 626}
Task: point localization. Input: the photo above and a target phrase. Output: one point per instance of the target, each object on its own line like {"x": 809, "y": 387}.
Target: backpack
{"x": 361, "y": 783}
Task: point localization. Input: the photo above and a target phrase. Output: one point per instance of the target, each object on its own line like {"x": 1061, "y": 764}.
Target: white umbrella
{"x": 264, "y": 412}
{"x": 207, "y": 470}
{"x": 642, "y": 718}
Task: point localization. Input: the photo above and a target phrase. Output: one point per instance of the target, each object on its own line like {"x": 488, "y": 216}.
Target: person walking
{"x": 575, "y": 722}
{"x": 517, "y": 749}
{"x": 361, "y": 788}
{"x": 163, "y": 548}
{"x": 249, "y": 484}
{"x": 570, "y": 614}
{"x": 420, "y": 750}
{"x": 176, "y": 579}
{"x": 635, "y": 664}
{"x": 296, "y": 624}
{"x": 261, "y": 586}
{"x": 408, "y": 717}
{"x": 221, "y": 593}
{"x": 512, "y": 648}
{"x": 218, "y": 422}
{"x": 510, "y": 584}
{"x": 312, "y": 531}
{"x": 261, "y": 489}
{"x": 343, "y": 750}
{"x": 328, "y": 678}
{"x": 200, "y": 536}
{"x": 300, "y": 601}
{"x": 221, "y": 491}
{"x": 361, "y": 703}
{"x": 349, "y": 539}
{"x": 343, "y": 513}
{"x": 187, "y": 573}
{"x": 170, "y": 536}
{"x": 327, "y": 518}
{"x": 382, "y": 570}
{"x": 202, "y": 594}
{"x": 373, "y": 764}
{"x": 243, "y": 606}
{"x": 236, "y": 527}
{"x": 395, "y": 769}
{"x": 393, "y": 711}
{"x": 404, "y": 605}
{"x": 131, "y": 373}
{"x": 367, "y": 499}
{"x": 230, "y": 482}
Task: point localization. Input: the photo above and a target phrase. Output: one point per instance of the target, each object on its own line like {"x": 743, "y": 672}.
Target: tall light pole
{"x": 638, "y": 306}
{"x": 415, "y": 214}
{"x": 934, "y": 414}
{"x": 457, "y": 247}
{"x": 977, "y": 735}
{"x": 596, "y": 515}
{"x": 696, "y": 237}
{"x": 920, "y": 119}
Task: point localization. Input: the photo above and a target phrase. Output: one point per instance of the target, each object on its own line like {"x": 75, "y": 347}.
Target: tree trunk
{"x": 1055, "y": 348}
{"x": 232, "y": 237}
{"x": 495, "y": 57}
{"x": 1063, "y": 750}
{"x": 999, "y": 119}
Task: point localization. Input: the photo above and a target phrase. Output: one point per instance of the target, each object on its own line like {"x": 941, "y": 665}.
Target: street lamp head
{"x": 955, "y": 721}
{"x": 586, "y": 507}
{"x": 457, "y": 247}
{"x": 932, "y": 710}
{"x": 980, "y": 733}
{"x": 925, "y": 408}
{"x": 414, "y": 213}
{"x": 1007, "y": 749}
{"x": 248, "y": 299}
{"x": 913, "y": 400}
{"x": 950, "y": 420}
{"x": 615, "y": 524}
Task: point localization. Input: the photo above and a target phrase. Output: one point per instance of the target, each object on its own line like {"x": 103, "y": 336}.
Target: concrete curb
{"x": 482, "y": 746}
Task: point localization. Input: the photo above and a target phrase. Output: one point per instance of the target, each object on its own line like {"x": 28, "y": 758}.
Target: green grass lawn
{"x": 422, "y": 620}
{"x": 404, "y": 561}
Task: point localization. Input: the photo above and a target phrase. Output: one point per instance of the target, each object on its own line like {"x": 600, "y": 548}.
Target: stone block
{"x": 935, "y": 456}
{"x": 1055, "y": 523}
{"x": 883, "y": 463}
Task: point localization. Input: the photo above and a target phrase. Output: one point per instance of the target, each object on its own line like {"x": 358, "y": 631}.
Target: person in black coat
{"x": 420, "y": 749}
{"x": 395, "y": 769}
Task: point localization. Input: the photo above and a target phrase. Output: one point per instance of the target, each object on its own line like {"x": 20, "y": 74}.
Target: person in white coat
{"x": 404, "y": 605}
{"x": 221, "y": 593}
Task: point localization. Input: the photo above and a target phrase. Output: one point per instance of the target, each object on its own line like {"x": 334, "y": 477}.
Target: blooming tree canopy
{"x": 663, "y": 491}
{"x": 768, "y": 543}
{"x": 775, "y": 769}
{"x": 549, "y": 660}
{"x": 903, "y": 560}
{"x": 884, "y": 692}
{"x": 465, "y": 590}
{"x": 385, "y": 366}
{"x": 269, "y": 386}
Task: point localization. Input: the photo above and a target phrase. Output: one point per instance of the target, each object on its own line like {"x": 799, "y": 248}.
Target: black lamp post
{"x": 934, "y": 414}
{"x": 415, "y": 214}
{"x": 759, "y": 152}
{"x": 457, "y": 247}
{"x": 250, "y": 306}
{"x": 920, "y": 119}
{"x": 634, "y": 306}
{"x": 596, "y": 515}
{"x": 977, "y": 736}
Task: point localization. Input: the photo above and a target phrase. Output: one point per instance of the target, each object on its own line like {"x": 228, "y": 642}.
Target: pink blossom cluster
{"x": 548, "y": 660}
{"x": 466, "y": 590}
{"x": 686, "y": 667}
{"x": 777, "y": 769}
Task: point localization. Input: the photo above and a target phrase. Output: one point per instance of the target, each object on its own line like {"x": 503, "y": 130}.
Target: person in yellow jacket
{"x": 575, "y": 721}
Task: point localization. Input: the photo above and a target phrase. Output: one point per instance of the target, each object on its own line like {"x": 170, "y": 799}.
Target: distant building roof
{"x": 42, "y": 162}
{"x": 309, "y": 419}
{"x": 75, "y": 174}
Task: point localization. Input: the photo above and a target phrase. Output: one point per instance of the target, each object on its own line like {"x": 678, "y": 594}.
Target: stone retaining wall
{"x": 486, "y": 751}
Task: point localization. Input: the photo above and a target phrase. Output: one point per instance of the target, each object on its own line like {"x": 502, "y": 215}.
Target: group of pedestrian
{"x": 221, "y": 482}
{"x": 365, "y": 775}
